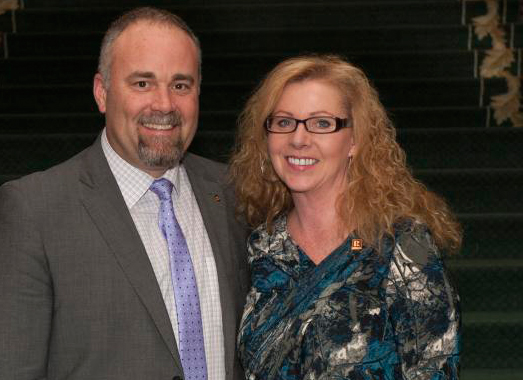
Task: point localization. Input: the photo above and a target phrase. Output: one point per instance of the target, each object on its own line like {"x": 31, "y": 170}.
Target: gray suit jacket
{"x": 78, "y": 296}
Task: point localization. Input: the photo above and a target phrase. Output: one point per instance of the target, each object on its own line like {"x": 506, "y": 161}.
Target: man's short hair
{"x": 149, "y": 14}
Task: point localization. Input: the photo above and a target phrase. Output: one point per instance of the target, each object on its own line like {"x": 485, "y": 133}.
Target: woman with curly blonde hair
{"x": 347, "y": 274}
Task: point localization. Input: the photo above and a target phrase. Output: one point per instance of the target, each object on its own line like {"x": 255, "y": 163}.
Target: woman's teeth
{"x": 301, "y": 161}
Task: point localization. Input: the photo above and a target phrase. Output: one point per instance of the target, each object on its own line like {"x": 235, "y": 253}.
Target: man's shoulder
{"x": 205, "y": 166}
{"x": 56, "y": 176}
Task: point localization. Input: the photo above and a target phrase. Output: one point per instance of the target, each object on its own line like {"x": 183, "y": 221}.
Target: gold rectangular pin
{"x": 356, "y": 244}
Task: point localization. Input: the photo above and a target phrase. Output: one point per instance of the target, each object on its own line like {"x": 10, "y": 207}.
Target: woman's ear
{"x": 352, "y": 151}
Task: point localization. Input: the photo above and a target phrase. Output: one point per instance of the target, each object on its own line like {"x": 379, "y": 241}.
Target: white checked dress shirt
{"x": 144, "y": 207}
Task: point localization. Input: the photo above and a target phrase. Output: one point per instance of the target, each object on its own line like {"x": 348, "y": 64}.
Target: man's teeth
{"x": 302, "y": 161}
{"x": 160, "y": 127}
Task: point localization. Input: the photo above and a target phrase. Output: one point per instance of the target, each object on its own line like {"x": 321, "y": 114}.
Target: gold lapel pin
{"x": 356, "y": 244}
{"x": 216, "y": 198}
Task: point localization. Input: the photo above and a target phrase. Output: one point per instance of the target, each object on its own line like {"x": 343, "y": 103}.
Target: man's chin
{"x": 160, "y": 157}
{"x": 154, "y": 159}
{"x": 159, "y": 153}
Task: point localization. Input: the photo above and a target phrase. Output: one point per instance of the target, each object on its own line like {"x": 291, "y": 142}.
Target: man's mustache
{"x": 171, "y": 118}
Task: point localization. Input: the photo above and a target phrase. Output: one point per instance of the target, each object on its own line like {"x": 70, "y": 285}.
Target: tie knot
{"x": 163, "y": 188}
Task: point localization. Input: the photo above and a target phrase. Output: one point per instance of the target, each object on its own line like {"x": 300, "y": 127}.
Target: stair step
{"x": 218, "y": 96}
{"x": 479, "y": 190}
{"x": 167, "y": 3}
{"x": 254, "y": 16}
{"x": 203, "y": 14}
{"x": 51, "y": 123}
{"x": 464, "y": 148}
{"x": 288, "y": 41}
{"x": 252, "y": 67}
{"x": 488, "y": 285}
{"x": 25, "y": 154}
{"x": 491, "y": 374}
{"x": 492, "y": 236}
{"x": 273, "y": 41}
{"x": 441, "y": 117}
{"x": 251, "y": 16}
{"x": 490, "y": 342}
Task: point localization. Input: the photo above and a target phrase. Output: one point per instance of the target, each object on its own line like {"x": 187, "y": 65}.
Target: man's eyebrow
{"x": 141, "y": 74}
{"x": 183, "y": 77}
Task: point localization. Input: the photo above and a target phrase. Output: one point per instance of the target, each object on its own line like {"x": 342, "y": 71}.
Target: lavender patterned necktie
{"x": 190, "y": 331}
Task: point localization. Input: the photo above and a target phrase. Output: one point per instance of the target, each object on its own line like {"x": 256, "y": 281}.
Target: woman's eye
{"x": 323, "y": 123}
{"x": 284, "y": 123}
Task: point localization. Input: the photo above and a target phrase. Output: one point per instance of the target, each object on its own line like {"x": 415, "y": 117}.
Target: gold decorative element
{"x": 484, "y": 25}
{"x": 8, "y": 5}
{"x": 497, "y": 63}
{"x": 507, "y": 106}
{"x": 356, "y": 244}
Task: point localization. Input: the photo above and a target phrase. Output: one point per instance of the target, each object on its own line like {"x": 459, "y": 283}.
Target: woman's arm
{"x": 424, "y": 308}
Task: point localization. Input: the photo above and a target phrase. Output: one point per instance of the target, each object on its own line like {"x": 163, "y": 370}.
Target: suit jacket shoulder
{"x": 214, "y": 170}
{"x": 74, "y": 275}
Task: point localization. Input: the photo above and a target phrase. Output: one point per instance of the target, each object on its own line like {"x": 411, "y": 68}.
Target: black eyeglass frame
{"x": 340, "y": 123}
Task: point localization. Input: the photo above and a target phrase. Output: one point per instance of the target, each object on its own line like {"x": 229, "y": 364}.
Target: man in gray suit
{"x": 87, "y": 257}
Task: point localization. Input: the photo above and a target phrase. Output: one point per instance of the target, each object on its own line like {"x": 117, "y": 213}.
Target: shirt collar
{"x": 133, "y": 182}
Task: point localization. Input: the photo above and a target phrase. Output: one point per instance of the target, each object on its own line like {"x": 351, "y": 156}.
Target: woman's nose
{"x": 300, "y": 137}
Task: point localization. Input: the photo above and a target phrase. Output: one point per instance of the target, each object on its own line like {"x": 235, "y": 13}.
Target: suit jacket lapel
{"x": 105, "y": 204}
{"x": 212, "y": 204}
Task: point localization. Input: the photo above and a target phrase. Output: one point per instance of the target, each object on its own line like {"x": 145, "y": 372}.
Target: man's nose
{"x": 163, "y": 100}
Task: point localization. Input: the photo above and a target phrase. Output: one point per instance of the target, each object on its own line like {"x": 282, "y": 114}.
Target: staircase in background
{"x": 423, "y": 57}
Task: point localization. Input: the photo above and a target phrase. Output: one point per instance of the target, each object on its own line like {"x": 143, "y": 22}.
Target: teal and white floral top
{"x": 358, "y": 314}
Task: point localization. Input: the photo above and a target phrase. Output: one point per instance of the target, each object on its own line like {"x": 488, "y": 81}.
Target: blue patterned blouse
{"x": 356, "y": 315}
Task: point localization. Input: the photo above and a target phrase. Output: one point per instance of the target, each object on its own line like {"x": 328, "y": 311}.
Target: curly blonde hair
{"x": 380, "y": 188}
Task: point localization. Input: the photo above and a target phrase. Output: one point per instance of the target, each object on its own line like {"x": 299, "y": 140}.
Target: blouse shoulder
{"x": 423, "y": 305}
{"x": 414, "y": 243}
{"x": 262, "y": 243}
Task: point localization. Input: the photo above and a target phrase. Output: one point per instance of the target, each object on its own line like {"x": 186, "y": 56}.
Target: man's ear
{"x": 100, "y": 92}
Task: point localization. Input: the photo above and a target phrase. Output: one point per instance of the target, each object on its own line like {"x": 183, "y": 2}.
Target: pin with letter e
{"x": 356, "y": 244}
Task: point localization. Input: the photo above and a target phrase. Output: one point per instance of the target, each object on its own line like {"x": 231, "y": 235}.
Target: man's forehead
{"x": 144, "y": 44}
{"x": 144, "y": 29}
{"x": 138, "y": 38}
{"x": 143, "y": 33}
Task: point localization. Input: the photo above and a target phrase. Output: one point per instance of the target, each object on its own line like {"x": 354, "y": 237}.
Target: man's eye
{"x": 181, "y": 86}
{"x": 141, "y": 84}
